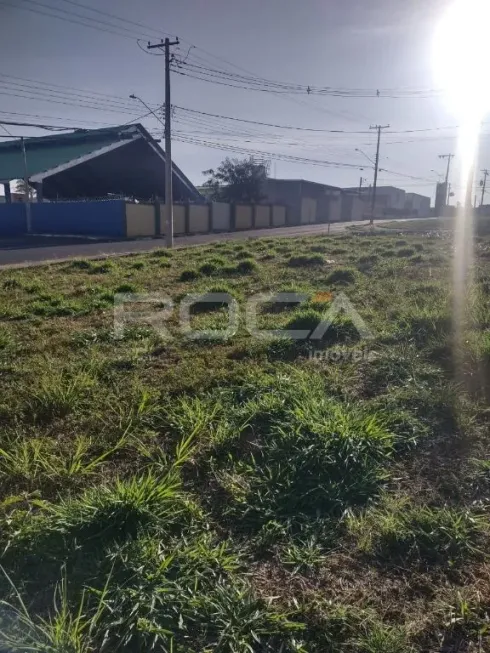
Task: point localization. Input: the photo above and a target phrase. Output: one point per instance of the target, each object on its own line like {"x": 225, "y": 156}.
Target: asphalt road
{"x": 55, "y": 252}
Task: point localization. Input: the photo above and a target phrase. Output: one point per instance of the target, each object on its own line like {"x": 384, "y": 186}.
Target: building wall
{"x": 13, "y": 221}
{"x": 243, "y": 216}
{"x": 278, "y": 216}
{"x": 287, "y": 193}
{"x": 140, "y": 220}
{"x": 335, "y": 208}
{"x": 221, "y": 216}
{"x": 179, "y": 219}
{"x": 418, "y": 205}
{"x": 198, "y": 218}
{"x": 306, "y": 202}
{"x": 262, "y": 216}
{"x": 117, "y": 218}
{"x": 353, "y": 208}
{"x": 106, "y": 218}
{"x": 308, "y": 210}
{"x": 391, "y": 198}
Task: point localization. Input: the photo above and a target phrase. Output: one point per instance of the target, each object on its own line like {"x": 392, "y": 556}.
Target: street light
{"x": 136, "y": 97}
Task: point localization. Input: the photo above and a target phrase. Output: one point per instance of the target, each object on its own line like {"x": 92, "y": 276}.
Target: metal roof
{"x": 84, "y": 163}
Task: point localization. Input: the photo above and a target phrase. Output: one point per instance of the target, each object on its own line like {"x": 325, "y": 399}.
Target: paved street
{"x": 21, "y": 257}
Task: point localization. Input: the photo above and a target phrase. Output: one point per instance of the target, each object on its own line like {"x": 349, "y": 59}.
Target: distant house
{"x": 307, "y": 202}
{"x": 417, "y": 205}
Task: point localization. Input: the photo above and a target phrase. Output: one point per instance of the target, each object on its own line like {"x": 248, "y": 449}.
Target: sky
{"x": 50, "y": 66}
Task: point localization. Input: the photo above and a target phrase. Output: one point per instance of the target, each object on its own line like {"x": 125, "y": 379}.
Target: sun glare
{"x": 460, "y": 57}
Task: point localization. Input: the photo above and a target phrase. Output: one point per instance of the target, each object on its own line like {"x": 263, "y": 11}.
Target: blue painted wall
{"x": 106, "y": 218}
{"x": 12, "y": 219}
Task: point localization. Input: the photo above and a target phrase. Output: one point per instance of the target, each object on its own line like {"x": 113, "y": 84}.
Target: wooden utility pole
{"x": 169, "y": 208}
{"x": 449, "y": 157}
{"x": 27, "y": 190}
{"x": 376, "y": 168}
{"x": 484, "y": 186}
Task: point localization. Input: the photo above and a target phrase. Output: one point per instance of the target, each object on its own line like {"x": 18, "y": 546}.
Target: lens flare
{"x": 460, "y": 67}
{"x": 460, "y": 57}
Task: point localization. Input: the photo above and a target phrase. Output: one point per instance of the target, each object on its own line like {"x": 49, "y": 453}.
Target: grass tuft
{"x": 307, "y": 260}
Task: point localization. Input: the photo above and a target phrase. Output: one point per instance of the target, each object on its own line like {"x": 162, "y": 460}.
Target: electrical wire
{"x": 66, "y": 103}
{"x": 63, "y": 95}
{"x": 98, "y": 22}
{"x": 66, "y": 20}
{"x": 30, "y": 124}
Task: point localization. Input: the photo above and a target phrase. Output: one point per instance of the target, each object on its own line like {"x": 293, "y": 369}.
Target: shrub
{"x": 6, "y": 339}
{"x": 81, "y": 265}
{"x": 58, "y": 394}
{"x": 382, "y": 638}
{"x": 244, "y": 253}
{"x": 102, "y": 268}
{"x": 207, "y": 269}
{"x": 246, "y": 266}
{"x": 161, "y": 253}
{"x": 342, "y": 275}
{"x": 402, "y": 531}
{"x": 307, "y": 455}
{"x": 340, "y": 330}
{"x": 405, "y": 252}
{"x": 209, "y": 303}
{"x": 305, "y": 261}
{"x": 189, "y": 275}
{"x": 126, "y": 288}
{"x": 369, "y": 259}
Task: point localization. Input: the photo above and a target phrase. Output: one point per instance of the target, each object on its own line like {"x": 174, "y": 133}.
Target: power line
{"x": 268, "y": 124}
{"x": 273, "y": 155}
{"x": 38, "y": 98}
{"x": 97, "y": 21}
{"x": 42, "y": 117}
{"x": 206, "y": 71}
{"x": 30, "y": 124}
{"x": 68, "y": 88}
{"x": 66, "y": 20}
{"x": 63, "y": 95}
{"x": 258, "y": 84}
{"x": 115, "y": 17}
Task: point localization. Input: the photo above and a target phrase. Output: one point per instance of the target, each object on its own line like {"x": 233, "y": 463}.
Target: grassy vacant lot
{"x": 237, "y": 497}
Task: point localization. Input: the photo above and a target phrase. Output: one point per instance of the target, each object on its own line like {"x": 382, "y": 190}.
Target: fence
{"x": 117, "y": 218}
{"x": 65, "y": 218}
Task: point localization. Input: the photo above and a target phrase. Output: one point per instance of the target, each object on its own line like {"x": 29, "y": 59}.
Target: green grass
{"x": 310, "y": 260}
{"x": 246, "y": 495}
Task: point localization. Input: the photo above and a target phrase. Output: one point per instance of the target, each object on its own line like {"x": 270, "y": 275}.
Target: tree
{"x": 20, "y": 188}
{"x": 237, "y": 180}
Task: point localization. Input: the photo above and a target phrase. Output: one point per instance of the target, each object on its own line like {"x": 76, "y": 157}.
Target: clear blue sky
{"x": 349, "y": 44}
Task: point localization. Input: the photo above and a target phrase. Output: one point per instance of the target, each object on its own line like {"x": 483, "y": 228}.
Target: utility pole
{"x": 484, "y": 186}
{"x": 360, "y": 185}
{"x": 449, "y": 157}
{"x": 27, "y": 192}
{"x": 376, "y": 167}
{"x": 169, "y": 208}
